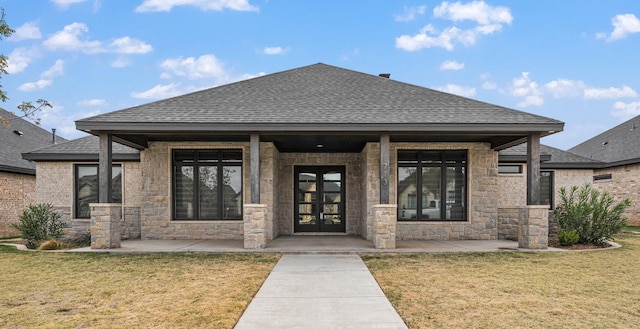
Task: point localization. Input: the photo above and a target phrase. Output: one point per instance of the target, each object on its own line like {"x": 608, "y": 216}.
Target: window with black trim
{"x": 602, "y": 177}
{"x": 510, "y": 169}
{"x": 86, "y": 187}
{"x": 432, "y": 185}
{"x": 546, "y": 188}
{"x": 207, "y": 184}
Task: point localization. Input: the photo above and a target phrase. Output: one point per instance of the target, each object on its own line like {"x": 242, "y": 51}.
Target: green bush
{"x": 568, "y": 238}
{"x": 593, "y": 214}
{"x": 40, "y": 222}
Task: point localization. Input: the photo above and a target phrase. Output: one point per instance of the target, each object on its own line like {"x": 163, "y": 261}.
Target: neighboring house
{"x": 317, "y": 149}
{"x": 18, "y": 176}
{"x": 619, "y": 149}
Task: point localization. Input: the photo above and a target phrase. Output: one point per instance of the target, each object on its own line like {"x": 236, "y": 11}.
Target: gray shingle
{"x": 618, "y": 144}
{"x": 559, "y": 158}
{"x": 323, "y": 95}
{"x": 85, "y": 148}
{"x": 12, "y": 145}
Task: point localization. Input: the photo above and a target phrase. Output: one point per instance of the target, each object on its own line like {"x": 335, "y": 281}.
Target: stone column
{"x": 255, "y": 226}
{"x": 533, "y": 227}
{"x": 385, "y": 217}
{"x": 105, "y": 225}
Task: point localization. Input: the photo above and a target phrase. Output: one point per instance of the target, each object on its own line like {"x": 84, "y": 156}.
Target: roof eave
{"x": 17, "y": 170}
{"x": 78, "y": 157}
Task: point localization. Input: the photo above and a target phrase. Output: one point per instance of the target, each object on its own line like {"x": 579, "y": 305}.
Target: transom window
{"x": 86, "y": 187}
{"x": 207, "y": 184}
{"x": 432, "y": 185}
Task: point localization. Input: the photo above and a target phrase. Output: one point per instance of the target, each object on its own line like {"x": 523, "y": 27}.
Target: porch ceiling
{"x": 322, "y": 141}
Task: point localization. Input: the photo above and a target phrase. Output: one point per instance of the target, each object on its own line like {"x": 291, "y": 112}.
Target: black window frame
{"x": 76, "y": 187}
{"x": 509, "y": 165}
{"x": 198, "y": 160}
{"x": 602, "y": 177}
{"x": 551, "y": 187}
{"x": 443, "y": 161}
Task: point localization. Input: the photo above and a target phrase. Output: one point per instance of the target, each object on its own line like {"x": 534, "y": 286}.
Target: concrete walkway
{"x": 320, "y": 291}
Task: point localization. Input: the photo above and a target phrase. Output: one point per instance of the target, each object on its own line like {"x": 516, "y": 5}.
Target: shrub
{"x": 40, "y": 222}
{"x": 594, "y": 215}
{"x": 50, "y": 245}
{"x": 82, "y": 239}
{"x": 568, "y": 238}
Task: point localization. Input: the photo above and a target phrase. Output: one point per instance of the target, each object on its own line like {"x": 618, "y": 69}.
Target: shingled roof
{"x": 21, "y": 136}
{"x": 81, "y": 149}
{"x": 552, "y": 158}
{"x": 320, "y": 98}
{"x": 619, "y": 145}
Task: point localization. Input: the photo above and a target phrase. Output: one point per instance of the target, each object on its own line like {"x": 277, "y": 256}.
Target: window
{"x": 432, "y": 185}
{"x": 546, "y": 188}
{"x": 510, "y": 169}
{"x": 86, "y": 187}
{"x": 602, "y": 177}
{"x": 207, "y": 184}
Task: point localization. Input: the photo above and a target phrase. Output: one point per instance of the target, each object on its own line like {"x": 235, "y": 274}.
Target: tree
{"x": 28, "y": 109}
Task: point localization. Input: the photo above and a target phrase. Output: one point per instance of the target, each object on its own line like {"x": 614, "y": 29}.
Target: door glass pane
{"x": 431, "y": 193}
{"x": 184, "y": 193}
{"x": 333, "y": 208}
{"x": 332, "y": 176}
{"x": 304, "y": 196}
{"x": 232, "y": 192}
{"x": 306, "y": 208}
{"x": 331, "y": 219}
{"x": 307, "y": 220}
{"x": 332, "y": 197}
{"x": 407, "y": 192}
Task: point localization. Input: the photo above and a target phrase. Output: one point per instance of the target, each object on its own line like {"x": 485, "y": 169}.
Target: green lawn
{"x": 91, "y": 290}
{"x": 631, "y": 229}
{"x": 577, "y": 289}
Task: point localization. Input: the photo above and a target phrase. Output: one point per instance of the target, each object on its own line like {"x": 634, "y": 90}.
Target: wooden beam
{"x": 384, "y": 169}
{"x": 533, "y": 169}
{"x": 255, "y": 168}
{"x": 104, "y": 169}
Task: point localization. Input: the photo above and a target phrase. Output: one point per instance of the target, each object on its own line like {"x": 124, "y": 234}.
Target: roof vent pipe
{"x": 53, "y": 131}
{"x": 385, "y": 75}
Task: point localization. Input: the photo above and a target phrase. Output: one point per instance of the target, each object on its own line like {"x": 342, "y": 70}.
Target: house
{"x": 18, "y": 176}
{"x": 312, "y": 150}
{"x": 619, "y": 149}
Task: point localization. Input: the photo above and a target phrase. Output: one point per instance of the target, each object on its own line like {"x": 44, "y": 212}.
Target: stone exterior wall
{"x": 55, "y": 185}
{"x": 17, "y": 191}
{"x": 155, "y": 211}
{"x": 512, "y": 188}
{"x": 482, "y": 196}
{"x": 269, "y": 157}
{"x": 370, "y": 187}
{"x": 286, "y": 189}
{"x": 624, "y": 183}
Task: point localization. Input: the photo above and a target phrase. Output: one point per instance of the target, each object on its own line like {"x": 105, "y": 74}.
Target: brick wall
{"x": 624, "y": 183}
{"x": 17, "y": 191}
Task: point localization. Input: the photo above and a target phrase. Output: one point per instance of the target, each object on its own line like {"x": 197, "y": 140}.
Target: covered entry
{"x": 319, "y": 199}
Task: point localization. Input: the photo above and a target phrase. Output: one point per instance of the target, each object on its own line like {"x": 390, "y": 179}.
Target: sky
{"x": 577, "y": 61}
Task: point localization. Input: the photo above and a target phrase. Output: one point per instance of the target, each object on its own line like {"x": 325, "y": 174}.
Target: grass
{"x": 593, "y": 289}
{"x": 631, "y": 229}
{"x": 72, "y": 290}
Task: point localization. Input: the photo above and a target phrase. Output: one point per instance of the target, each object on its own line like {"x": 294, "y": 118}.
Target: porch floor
{"x": 305, "y": 244}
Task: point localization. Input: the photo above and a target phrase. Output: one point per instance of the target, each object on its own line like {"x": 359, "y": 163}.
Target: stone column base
{"x": 533, "y": 227}
{"x": 384, "y": 221}
{"x": 105, "y": 225}
{"x": 255, "y": 226}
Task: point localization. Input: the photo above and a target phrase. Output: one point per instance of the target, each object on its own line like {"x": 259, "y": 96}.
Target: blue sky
{"x": 573, "y": 60}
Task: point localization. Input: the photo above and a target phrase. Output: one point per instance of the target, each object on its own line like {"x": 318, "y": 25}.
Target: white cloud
{"x": 489, "y": 19}
{"x": 55, "y": 70}
{"x": 159, "y": 92}
{"x": 18, "y": 60}
{"x": 216, "y": 5}
{"x": 526, "y": 89}
{"x": 92, "y": 102}
{"x": 26, "y": 31}
{"x": 274, "y": 50}
{"x": 477, "y": 11}
{"x": 127, "y": 45}
{"x": 625, "y": 111}
{"x": 205, "y": 66}
{"x": 410, "y": 13}
{"x": 624, "y": 25}
{"x": 451, "y": 65}
{"x": 31, "y": 86}
{"x": 458, "y": 90}
{"x": 489, "y": 85}
{"x": 68, "y": 39}
{"x": 565, "y": 88}
{"x": 611, "y": 92}
{"x": 122, "y": 61}
{"x": 64, "y": 4}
